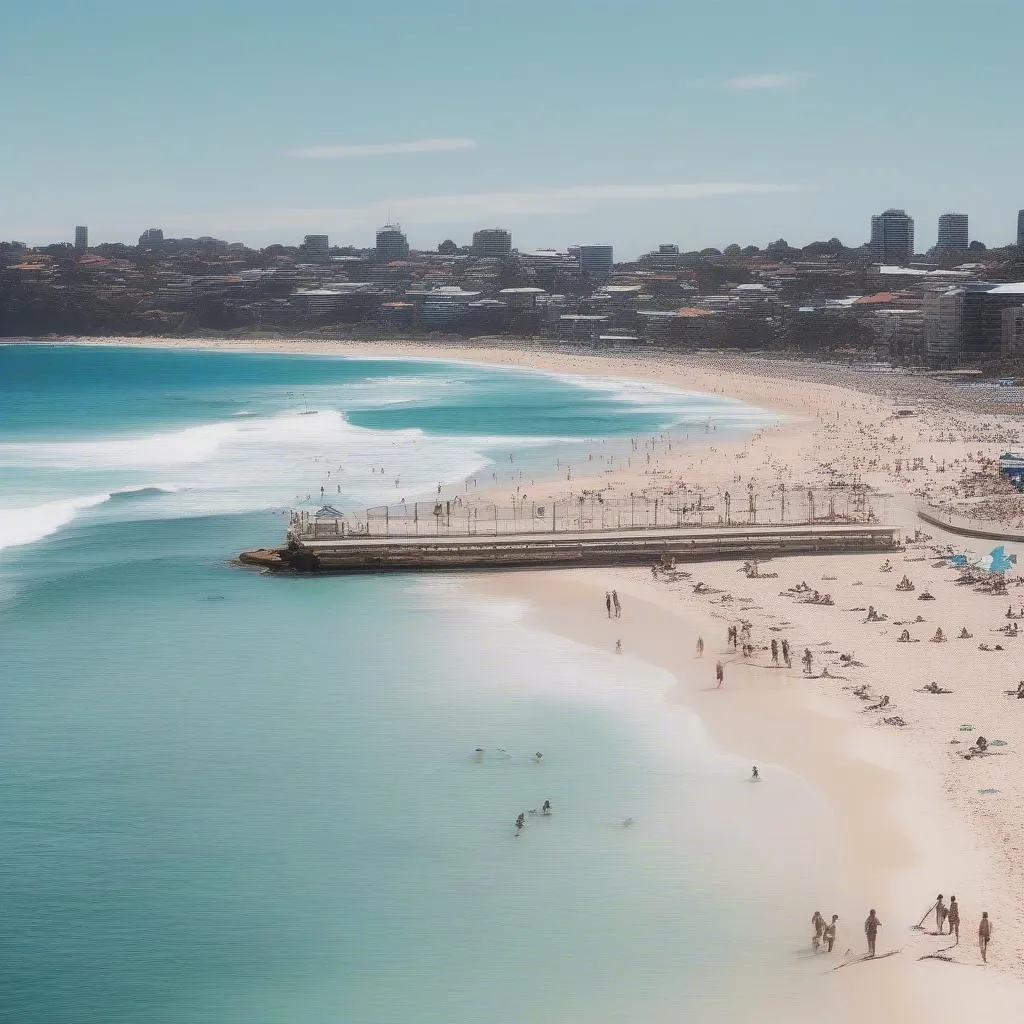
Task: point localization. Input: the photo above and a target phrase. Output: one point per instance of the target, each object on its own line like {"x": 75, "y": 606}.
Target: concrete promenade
{"x": 565, "y": 550}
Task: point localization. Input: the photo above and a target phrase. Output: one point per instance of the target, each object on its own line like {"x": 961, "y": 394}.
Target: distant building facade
{"x": 151, "y": 238}
{"x": 1013, "y": 332}
{"x": 892, "y": 237}
{"x": 315, "y": 247}
{"x": 81, "y": 238}
{"x": 1020, "y": 230}
{"x": 492, "y": 243}
{"x": 391, "y": 243}
{"x": 596, "y": 260}
{"x": 966, "y": 324}
{"x": 953, "y": 236}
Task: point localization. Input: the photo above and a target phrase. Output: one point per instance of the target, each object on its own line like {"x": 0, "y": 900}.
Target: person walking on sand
{"x": 608, "y": 603}
{"x": 953, "y": 916}
{"x": 775, "y": 651}
{"x": 984, "y": 935}
{"x": 829, "y": 934}
{"x": 808, "y": 660}
{"x": 719, "y": 673}
{"x": 615, "y": 602}
{"x": 871, "y": 926}
{"x": 940, "y": 914}
{"x": 785, "y": 653}
{"x": 700, "y": 647}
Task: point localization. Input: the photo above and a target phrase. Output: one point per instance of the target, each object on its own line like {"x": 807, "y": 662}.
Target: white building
{"x": 444, "y": 307}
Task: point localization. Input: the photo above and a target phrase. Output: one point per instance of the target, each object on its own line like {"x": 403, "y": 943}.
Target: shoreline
{"x": 910, "y": 812}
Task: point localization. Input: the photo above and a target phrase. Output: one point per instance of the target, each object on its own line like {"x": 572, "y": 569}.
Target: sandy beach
{"x": 916, "y": 816}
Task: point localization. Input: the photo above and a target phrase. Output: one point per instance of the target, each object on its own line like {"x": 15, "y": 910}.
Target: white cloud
{"x": 383, "y": 149}
{"x": 484, "y": 206}
{"x": 771, "y": 80}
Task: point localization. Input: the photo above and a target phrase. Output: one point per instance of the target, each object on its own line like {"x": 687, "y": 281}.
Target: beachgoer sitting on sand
{"x": 925, "y": 596}
{"x": 982, "y": 744}
{"x": 1020, "y": 690}
{"x": 905, "y": 585}
{"x": 940, "y": 637}
{"x": 883, "y": 703}
{"x": 964, "y": 635}
{"x": 886, "y": 566}
{"x": 904, "y": 637}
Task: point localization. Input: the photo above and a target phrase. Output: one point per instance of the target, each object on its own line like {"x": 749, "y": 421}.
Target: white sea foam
{"x": 245, "y": 464}
{"x": 27, "y": 525}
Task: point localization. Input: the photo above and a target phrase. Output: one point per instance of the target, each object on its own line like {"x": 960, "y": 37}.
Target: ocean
{"x": 227, "y": 797}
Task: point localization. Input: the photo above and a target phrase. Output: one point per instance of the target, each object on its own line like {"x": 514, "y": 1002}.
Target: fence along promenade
{"x": 590, "y": 513}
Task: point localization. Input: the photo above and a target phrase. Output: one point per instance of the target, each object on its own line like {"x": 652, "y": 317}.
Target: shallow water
{"x": 227, "y": 797}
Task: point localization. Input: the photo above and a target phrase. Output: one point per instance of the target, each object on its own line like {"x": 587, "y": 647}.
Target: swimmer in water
{"x": 538, "y": 756}
{"x": 478, "y": 754}
{"x": 520, "y": 822}
{"x": 546, "y": 807}
{"x": 627, "y": 822}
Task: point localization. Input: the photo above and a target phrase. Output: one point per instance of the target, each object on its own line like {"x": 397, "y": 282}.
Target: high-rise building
{"x": 316, "y": 247}
{"x": 493, "y": 243}
{"x": 892, "y": 237}
{"x": 596, "y": 260}
{"x": 151, "y": 238}
{"x": 953, "y": 235}
{"x": 81, "y": 238}
{"x": 1020, "y": 230}
{"x": 391, "y": 243}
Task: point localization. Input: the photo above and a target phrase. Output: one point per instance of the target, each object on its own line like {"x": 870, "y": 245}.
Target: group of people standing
{"x": 951, "y": 915}
{"x": 824, "y": 936}
{"x": 825, "y": 933}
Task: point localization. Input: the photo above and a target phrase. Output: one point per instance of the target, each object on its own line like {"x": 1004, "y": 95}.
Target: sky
{"x": 633, "y": 122}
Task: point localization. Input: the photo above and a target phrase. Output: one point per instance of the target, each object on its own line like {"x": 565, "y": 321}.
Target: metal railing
{"x": 591, "y": 513}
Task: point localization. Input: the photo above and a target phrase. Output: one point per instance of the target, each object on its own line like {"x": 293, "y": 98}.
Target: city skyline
{"x": 259, "y": 125}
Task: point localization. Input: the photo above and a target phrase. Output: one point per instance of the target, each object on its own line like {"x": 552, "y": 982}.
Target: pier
{"x": 589, "y": 530}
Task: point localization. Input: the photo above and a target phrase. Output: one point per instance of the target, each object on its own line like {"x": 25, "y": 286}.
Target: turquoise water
{"x": 227, "y": 797}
